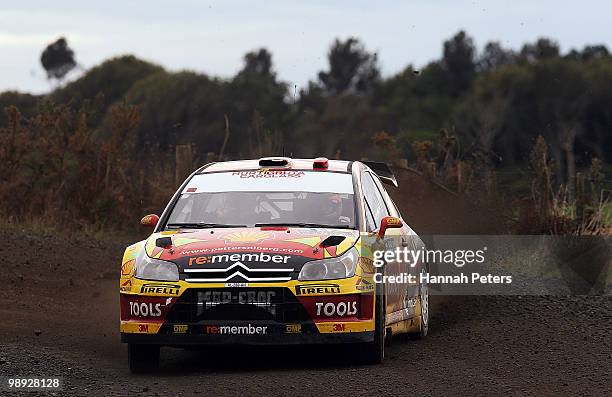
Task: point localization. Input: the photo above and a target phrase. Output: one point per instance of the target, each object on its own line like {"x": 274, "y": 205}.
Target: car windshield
{"x": 266, "y": 198}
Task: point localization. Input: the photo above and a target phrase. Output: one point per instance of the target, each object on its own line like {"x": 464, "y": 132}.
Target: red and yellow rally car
{"x": 271, "y": 251}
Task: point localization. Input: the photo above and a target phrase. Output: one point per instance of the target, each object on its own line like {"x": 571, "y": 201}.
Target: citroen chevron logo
{"x": 238, "y": 268}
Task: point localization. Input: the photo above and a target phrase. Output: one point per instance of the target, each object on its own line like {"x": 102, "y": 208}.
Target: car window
{"x": 371, "y": 225}
{"x": 393, "y": 210}
{"x": 273, "y": 197}
{"x": 374, "y": 198}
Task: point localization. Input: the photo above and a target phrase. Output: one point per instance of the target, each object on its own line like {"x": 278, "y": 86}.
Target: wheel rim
{"x": 424, "y": 304}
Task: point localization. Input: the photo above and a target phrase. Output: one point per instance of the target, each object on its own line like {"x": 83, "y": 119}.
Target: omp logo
{"x": 180, "y": 328}
{"x": 310, "y": 289}
{"x": 293, "y": 328}
{"x": 235, "y": 330}
{"x": 164, "y": 289}
{"x": 242, "y": 257}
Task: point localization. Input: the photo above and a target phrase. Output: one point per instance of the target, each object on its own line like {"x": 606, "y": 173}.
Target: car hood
{"x": 276, "y": 247}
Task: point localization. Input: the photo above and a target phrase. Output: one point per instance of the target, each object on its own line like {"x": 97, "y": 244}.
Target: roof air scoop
{"x": 281, "y": 162}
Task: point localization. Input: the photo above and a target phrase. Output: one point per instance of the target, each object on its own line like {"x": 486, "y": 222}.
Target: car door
{"x": 376, "y": 209}
{"x": 410, "y": 240}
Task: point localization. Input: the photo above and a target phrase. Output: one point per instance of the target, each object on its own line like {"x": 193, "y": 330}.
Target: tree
{"x": 458, "y": 62}
{"x": 542, "y": 49}
{"x": 258, "y": 64}
{"x": 351, "y": 68}
{"x": 494, "y": 56}
{"x": 258, "y": 105}
{"x": 112, "y": 79}
{"x": 58, "y": 59}
{"x": 594, "y": 52}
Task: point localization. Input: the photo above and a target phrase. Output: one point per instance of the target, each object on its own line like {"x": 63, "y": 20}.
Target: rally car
{"x": 272, "y": 251}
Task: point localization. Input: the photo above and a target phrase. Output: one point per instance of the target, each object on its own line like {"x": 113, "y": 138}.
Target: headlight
{"x": 326, "y": 269}
{"x": 154, "y": 269}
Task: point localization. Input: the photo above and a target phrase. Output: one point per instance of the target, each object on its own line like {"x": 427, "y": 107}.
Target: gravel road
{"x": 59, "y": 307}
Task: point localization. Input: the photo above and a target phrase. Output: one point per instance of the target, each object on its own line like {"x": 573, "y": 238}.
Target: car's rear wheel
{"x": 374, "y": 352}
{"x": 424, "y": 317}
{"x": 143, "y": 358}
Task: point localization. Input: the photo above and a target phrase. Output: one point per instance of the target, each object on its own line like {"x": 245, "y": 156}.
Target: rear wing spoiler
{"x": 383, "y": 171}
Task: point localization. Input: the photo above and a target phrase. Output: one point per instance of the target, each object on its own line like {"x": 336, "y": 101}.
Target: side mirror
{"x": 149, "y": 220}
{"x": 388, "y": 222}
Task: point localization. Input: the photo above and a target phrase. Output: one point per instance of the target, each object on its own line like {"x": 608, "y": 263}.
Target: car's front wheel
{"x": 143, "y": 358}
{"x": 424, "y": 303}
{"x": 374, "y": 352}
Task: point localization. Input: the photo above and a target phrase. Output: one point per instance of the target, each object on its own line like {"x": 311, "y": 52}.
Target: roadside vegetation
{"x": 525, "y": 133}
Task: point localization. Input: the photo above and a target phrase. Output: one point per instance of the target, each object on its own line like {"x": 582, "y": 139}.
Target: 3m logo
{"x": 339, "y": 328}
{"x": 143, "y": 327}
{"x": 311, "y": 289}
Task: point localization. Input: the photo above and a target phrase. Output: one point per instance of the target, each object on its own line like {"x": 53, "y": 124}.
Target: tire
{"x": 424, "y": 316}
{"x": 143, "y": 358}
{"x": 374, "y": 352}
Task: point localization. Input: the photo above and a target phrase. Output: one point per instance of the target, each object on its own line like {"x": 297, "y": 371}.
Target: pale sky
{"x": 212, "y": 36}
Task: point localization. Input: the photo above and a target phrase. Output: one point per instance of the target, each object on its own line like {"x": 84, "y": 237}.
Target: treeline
{"x": 468, "y": 111}
{"x": 496, "y": 103}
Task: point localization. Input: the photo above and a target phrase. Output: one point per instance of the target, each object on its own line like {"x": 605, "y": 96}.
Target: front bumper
{"x": 277, "y": 339}
{"x": 266, "y": 314}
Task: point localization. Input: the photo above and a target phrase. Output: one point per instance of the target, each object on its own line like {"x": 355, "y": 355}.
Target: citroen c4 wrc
{"x": 271, "y": 251}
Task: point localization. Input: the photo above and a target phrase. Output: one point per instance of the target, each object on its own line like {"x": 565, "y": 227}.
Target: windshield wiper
{"x": 200, "y": 225}
{"x": 303, "y": 224}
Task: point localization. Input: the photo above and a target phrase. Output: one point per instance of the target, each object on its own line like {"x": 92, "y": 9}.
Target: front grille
{"x": 237, "y": 304}
{"x": 238, "y": 272}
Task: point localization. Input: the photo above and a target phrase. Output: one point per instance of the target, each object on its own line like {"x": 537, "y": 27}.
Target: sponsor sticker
{"x": 339, "y": 327}
{"x": 126, "y": 286}
{"x": 143, "y": 309}
{"x": 127, "y": 269}
{"x": 364, "y": 285}
{"x": 180, "y": 328}
{"x": 160, "y": 289}
{"x": 312, "y": 289}
{"x": 293, "y": 328}
{"x": 254, "y": 297}
{"x": 266, "y": 173}
{"x": 239, "y": 257}
{"x": 260, "y": 298}
{"x": 340, "y": 309}
{"x": 235, "y": 329}
{"x": 246, "y": 237}
{"x": 236, "y": 285}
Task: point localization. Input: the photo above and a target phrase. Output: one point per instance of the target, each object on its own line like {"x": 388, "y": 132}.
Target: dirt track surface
{"x": 66, "y": 290}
